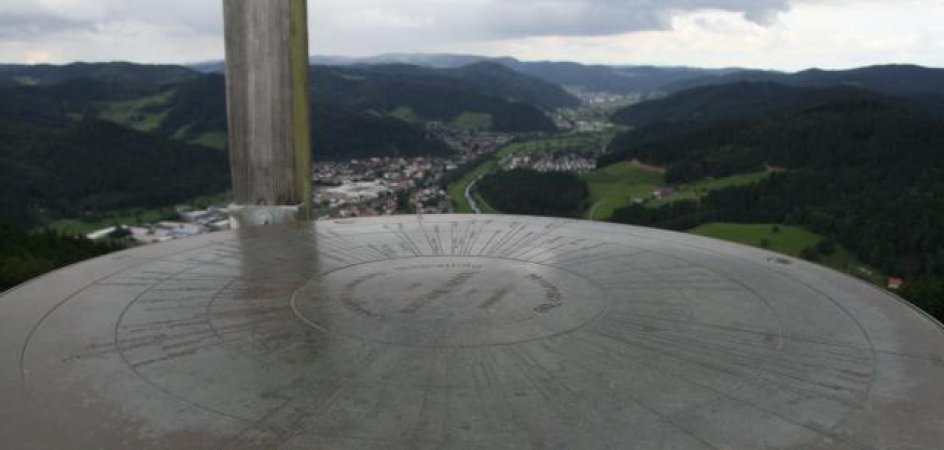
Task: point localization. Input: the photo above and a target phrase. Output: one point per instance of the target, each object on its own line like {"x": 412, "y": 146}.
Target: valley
{"x": 833, "y": 160}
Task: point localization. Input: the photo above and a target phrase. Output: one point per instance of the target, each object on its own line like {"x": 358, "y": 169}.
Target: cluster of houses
{"x": 377, "y": 186}
{"x": 190, "y": 223}
{"x": 548, "y": 162}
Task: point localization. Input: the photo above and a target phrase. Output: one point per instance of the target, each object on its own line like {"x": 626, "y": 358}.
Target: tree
{"x": 926, "y": 293}
{"x": 525, "y": 191}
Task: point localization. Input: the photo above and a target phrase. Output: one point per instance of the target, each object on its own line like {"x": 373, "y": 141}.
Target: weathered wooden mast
{"x": 268, "y": 107}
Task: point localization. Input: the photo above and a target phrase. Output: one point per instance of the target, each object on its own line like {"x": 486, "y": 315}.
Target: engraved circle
{"x": 450, "y": 301}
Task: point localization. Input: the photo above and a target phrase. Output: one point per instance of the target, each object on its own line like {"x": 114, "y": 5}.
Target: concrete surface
{"x": 463, "y": 332}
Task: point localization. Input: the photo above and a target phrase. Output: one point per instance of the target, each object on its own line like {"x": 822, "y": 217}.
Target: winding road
{"x": 468, "y": 197}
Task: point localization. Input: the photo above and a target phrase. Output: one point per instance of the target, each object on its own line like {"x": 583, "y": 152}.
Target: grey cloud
{"x": 355, "y": 26}
{"x": 26, "y": 24}
{"x": 25, "y": 19}
{"x": 369, "y": 26}
{"x": 470, "y": 18}
{"x": 519, "y": 18}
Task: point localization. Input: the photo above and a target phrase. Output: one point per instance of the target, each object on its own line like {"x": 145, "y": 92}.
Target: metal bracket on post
{"x": 258, "y": 216}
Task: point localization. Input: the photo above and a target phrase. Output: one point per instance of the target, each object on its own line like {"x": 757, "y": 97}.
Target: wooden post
{"x": 268, "y": 105}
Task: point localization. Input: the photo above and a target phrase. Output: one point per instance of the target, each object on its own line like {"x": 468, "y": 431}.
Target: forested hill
{"x": 738, "y": 100}
{"x": 89, "y": 166}
{"x": 899, "y": 80}
{"x": 424, "y": 94}
{"x": 339, "y": 132}
{"x": 63, "y": 102}
{"x": 196, "y": 111}
{"x": 867, "y": 172}
{"x": 614, "y": 79}
{"x": 841, "y": 135}
{"x": 512, "y": 101}
{"x": 122, "y": 73}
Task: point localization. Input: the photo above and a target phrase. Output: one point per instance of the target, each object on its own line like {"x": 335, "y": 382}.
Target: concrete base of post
{"x": 260, "y": 215}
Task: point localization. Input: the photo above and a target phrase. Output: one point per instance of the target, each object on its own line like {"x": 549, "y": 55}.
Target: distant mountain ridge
{"x": 115, "y": 72}
{"x": 893, "y": 79}
{"x": 592, "y": 77}
{"x": 754, "y": 93}
{"x": 596, "y": 78}
{"x": 447, "y": 95}
{"x": 744, "y": 99}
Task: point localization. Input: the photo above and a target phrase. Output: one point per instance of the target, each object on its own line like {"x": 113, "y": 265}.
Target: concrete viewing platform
{"x": 463, "y": 332}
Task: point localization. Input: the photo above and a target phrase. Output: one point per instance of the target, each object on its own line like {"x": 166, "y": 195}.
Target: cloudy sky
{"x": 777, "y": 34}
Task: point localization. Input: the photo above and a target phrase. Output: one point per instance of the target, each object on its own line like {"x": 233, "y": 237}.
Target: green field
{"x": 698, "y": 189}
{"x": 130, "y": 217}
{"x": 215, "y": 140}
{"x": 405, "y": 113}
{"x": 615, "y": 186}
{"x": 473, "y": 121}
{"x": 130, "y": 112}
{"x": 790, "y": 240}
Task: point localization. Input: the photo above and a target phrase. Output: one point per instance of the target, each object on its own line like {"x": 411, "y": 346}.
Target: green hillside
{"x": 92, "y": 166}
{"x": 794, "y": 241}
{"x": 617, "y": 185}
{"x": 867, "y": 172}
{"x": 895, "y": 79}
{"x": 439, "y": 95}
{"x": 341, "y": 133}
{"x": 124, "y": 73}
{"x": 742, "y": 100}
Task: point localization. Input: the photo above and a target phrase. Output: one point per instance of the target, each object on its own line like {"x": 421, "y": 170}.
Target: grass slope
{"x": 473, "y": 121}
{"x": 616, "y": 186}
{"x": 142, "y": 114}
{"x": 698, "y": 189}
{"x": 789, "y": 240}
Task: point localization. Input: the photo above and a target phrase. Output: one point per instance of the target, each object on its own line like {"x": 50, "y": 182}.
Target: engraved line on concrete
{"x": 529, "y": 361}
{"x": 730, "y": 396}
{"x": 829, "y": 298}
{"x": 510, "y": 233}
{"x": 147, "y": 380}
{"x": 498, "y": 296}
{"x": 451, "y": 285}
{"x": 476, "y": 235}
{"x": 294, "y": 304}
{"x": 402, "y": 234}
{"x": 532, "y": 243}
{"x": 29, "y": 337}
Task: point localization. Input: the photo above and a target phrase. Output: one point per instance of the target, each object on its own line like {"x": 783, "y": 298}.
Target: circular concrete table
{"x": 463, "y": 332}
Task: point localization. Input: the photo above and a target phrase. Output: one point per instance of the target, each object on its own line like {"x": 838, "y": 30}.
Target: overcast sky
{"x": 777, "y": 34}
